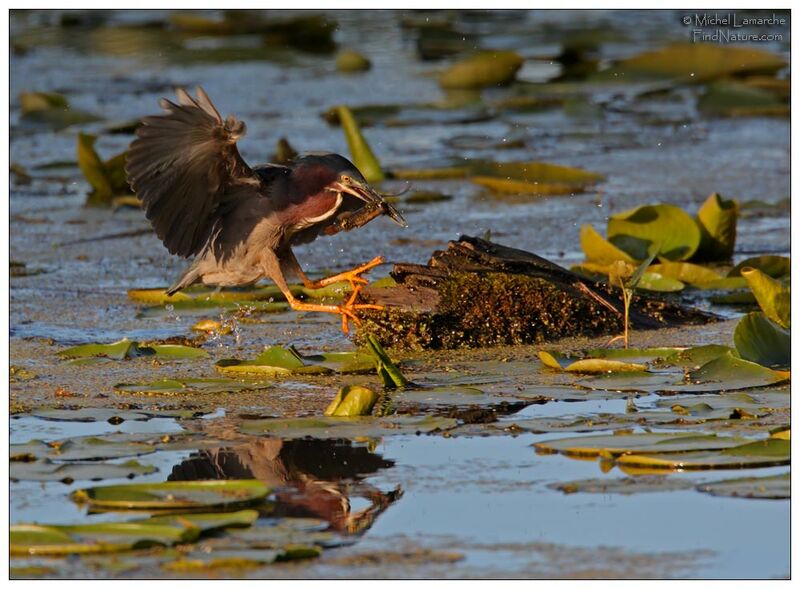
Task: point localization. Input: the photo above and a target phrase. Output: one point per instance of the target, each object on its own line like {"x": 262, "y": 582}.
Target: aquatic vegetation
{"x": 106, "y": 177}
{"x": 482, "y": 70}
{"x": 52, "y": 110}
{"x": 277, "y": 360}
{"x": 363, "y": 157}
{"x": 352, "y": 400}
{"x": 349, "y": 61}
{"x": 125, "y": 349}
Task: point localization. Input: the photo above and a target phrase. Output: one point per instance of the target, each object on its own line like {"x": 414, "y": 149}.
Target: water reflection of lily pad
{"x": 771, "y": 487}
{"x": 347, "y": 427}
{"x": 45, "y": 470}
{"x": 174, "y": 495}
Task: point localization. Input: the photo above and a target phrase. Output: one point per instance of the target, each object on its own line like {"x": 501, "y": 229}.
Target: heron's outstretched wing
{"x": 185, "y": 168}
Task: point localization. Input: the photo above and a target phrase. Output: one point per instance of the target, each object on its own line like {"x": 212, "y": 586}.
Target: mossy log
{"x": 480, "y": 294}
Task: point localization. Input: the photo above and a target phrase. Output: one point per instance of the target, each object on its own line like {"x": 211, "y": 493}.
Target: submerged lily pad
{"x": 347, "y": 427}
{"x": 762, "y": 341}
{"x": 174, "y": 495}
{"x": 277, "y": 360}
{"x": 662, "y": 229}
{"x": 189, "y": 386}
{"x": 45, "y": 470}
{"x": 624, "y": 486}
{"x": 772, "y": 487}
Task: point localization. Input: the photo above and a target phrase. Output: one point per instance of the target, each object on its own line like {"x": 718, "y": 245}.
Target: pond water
{"x": 474, "y": 502}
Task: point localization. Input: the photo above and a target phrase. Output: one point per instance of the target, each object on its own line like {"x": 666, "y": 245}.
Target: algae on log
{"x": 479, "y": 294}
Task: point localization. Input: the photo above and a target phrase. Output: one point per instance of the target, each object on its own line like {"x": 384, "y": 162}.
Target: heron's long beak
{"x": 369, "y": 195}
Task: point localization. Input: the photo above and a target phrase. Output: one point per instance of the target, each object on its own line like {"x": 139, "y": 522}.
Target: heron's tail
{"x": 189, "y": 277}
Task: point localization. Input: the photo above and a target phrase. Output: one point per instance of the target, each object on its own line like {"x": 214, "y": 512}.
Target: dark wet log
{"x": 478, "y": 294}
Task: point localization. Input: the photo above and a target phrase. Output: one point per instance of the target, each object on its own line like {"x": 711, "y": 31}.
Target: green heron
{"x": 239, "y": 222}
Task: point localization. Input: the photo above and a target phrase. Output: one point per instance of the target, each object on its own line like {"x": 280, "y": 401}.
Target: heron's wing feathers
{"x": 185, "y": 168}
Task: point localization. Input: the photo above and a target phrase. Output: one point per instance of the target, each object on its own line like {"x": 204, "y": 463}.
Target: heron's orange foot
{"x": 349, "y": 308}
{"x": 352, "y": 276}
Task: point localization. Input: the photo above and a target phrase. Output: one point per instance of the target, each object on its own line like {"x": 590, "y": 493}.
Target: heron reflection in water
{"x": 311, "y": 478}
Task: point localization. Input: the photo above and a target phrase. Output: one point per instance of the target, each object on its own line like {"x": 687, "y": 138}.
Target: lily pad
{"x": 761, "y": 341}
{"x": 731, "y": 373}
{"x": 31, "y": 539}
{"x": 89, "y": 448}
{"x": 694, "y": 358}
{"x": 277, "y": 360}
{"x": 602, "y": 365}
{"x": 662, "y": 229}
{"x": 347, "y": 427}
{"x": 503, "y": 186}
{"x": 758, "y": 454}
{"x": 685, "y": 272}
{"x": 352, "y": 400}
{"x": 350, "y": 61}
{"x": 174, "y": 495}
{"x": 90, "y": 414}
{"x": 363, "y": 157}
{"x": 126, "y": 348}
{"x": 772, "y": 296}
{"x": 772, "y": 487}
{"x": 656, "y": 282}
{"x": 387, "y": 370}
{"x": 534, "y": 173}
{"x": 773, "y": 266}
{"x": 190, "y": 386}
{"x": 202, "y": 295}
{"x": 647, "y": 443}
{"x": 598, "y": 249}
{"x": 485, "y": 69}
{"x": 206, "y": 522}
{"x": 52, "y": 110}
{"x": 623, "y": 486}
{"x": 45, "y": 470}
{"x": 727, "y": 98}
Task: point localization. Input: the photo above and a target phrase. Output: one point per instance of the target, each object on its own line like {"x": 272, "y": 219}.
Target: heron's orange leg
{"x": 346, "y": 310}
{"x": 352, "y": 276}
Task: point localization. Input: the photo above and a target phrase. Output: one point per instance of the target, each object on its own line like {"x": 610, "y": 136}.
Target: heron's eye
{"x": 346, "y": 179}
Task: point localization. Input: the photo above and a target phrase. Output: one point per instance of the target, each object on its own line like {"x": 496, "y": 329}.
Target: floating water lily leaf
{"x": 656, "y": 282}
{"x": 206, "y": 522}
{"x": 696, "y": 62}
{"x": 734, "y": 99}
{"x": 488, "y": 68}
{"x": 126, "y": 348}
{"x": 772, "y": 487}
{"x": 685, "y": 272}
{"x": 387, "y": 370}
{"x": 665, "y": 230}
{"x": 624, "y": 486}
{"x": 90, "y": 414}
{"x": 773, "y": 266}
{"x": 277, "y": 360}
{"x": 202, "y": 295}
{"x": 90, "y": 448}
{"x": 451, "y": 396}
{"x": 45, "y": 470}
{"x": 727, "y": 372}
{"x": 352, "y": 61}
{"x": 759, "y": 454}
{"x": 694, "y": 358}
{"x": 446, "y": 173}
{"x": 188, "y": 386}
{"x": 761, "y": 341}
{"x": 28, "y": 539}
{"x": 553, "y": 359}
{"x": 352, "y": 400}
{"x": 630, "y": 354}
{"x": 107, "y": 178}
{"x": 362, "y": 154}
{"x": 535, "y": 173}
{"x": 501, "y": 185}
{"x": 52, "y": 109}
{"x": 598, "y": 249}
{"x": 596, "y": 365}
{"x": 647, "y": 443}
{"x": 174, "y": 495}
{"x": 772, "y": 296}
{"x": 347, "y": 427}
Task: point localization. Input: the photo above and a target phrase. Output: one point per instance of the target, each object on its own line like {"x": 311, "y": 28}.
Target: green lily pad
{"x": 602, "y": 365}
{"x": 534, "y": 173}
{"x": 347, "y": 427}
{"x": 772, "y": 296}
{"x": 31, "y": 539}
{"x": 206, "y": 297}
{"x": 53, "y": 110}
{"x": 451, "y": 396}
{"x": 758, "y": 454}
{"x": 662, "y": 229}
{"x": 727, "y": 98}
{"x": 694, "y": 358}
{"x": 598, "y": 249}
{"x": 387, "y": 370}
{"x": 485, "y": 69}
{"x": 685, "y": 272}
{"x": 761, "y": 341}
{"x": 277, "y": 360}
{"x": 363, "y": 157}
{"x": 717, "y": 220}
{"x": 90, "y": 414}
{"x": 771, "y": 487}
{"x": 107, "y": 178}
{"x": 89, "y": 448}
{"x": 773, "y": 266}
{"x": 206, "y": 522}
{"x": 623, "y": 486}
{"x": 349, "y": 61}
{"x": 656, "y": 282}
{"x": 45, "y": 470}
{"x": 647, "y": 443}
{"x": 352, "y": 400}
{"x": 727, "y": 372}
{"x": 190, "y": 386}
{"x": 517, "y": 187}
{"x": 696, "y": 62}
{"x": 126, "y": 348}
{"x": 174, "y": 495}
